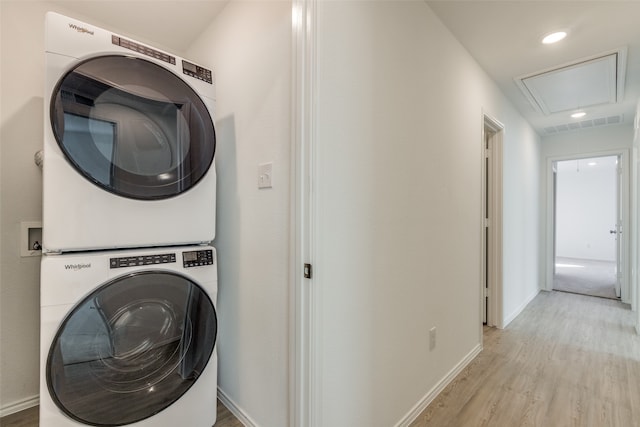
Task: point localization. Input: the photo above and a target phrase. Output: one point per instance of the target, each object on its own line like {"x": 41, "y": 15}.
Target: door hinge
{"x": 486, "y": 292}
{"x": 486, "y": 222}
{"x": 307, "y": 271}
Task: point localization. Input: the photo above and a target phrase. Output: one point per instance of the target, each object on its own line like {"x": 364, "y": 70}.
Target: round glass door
{"x": 131, "y": 348}
{"x": 132, "y": 127}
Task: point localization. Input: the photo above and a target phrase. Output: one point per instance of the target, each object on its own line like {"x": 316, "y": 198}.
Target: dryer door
{"x": 131, "y": 348}
{"x": 132, "y": 127}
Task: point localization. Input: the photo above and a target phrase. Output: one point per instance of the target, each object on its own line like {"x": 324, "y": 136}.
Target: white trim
{"x": 20, "y": 405}
{"x": 495, "y": 256}
{"x": 510, "y": 318}
{"x": 624, "y": 153}
{"x": 633, "y": 231}
{"x": 235, "y": 409}
{"x": 305, "y": 383}
{"x": 415, "y": 412}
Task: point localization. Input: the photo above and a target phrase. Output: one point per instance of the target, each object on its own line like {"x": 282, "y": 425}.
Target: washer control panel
{"x": 197, "y": 258}
{"x": 135, "y": 261}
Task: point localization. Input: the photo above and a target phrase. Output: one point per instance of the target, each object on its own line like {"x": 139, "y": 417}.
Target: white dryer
{"x": 128, "y": 338}
{"x": 129, "y": 143}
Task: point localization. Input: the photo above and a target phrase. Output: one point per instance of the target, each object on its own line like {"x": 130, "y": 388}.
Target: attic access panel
{"x": 585, "y": 83}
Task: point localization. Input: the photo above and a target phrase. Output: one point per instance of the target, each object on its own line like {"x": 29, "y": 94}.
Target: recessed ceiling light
{"x": 578, "y": 115}
{"x": 591, "y": 164}
{"x": 554, "y": 37}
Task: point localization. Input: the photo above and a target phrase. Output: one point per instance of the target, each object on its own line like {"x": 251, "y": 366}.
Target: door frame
{"x": 492, "y": 253}
{"x": 549, "y": 258}
{"x": 304, "y": 296}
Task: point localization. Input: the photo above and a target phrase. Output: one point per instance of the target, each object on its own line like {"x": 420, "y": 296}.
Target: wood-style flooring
{"x": 29, "y": 418}
{"x": 566, "y": 361}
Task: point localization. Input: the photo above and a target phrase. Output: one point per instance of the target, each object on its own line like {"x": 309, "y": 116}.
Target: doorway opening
{"x": 588, "y": 244}
{"x": 617, "y": 232}
{"x": 491, "y": 292}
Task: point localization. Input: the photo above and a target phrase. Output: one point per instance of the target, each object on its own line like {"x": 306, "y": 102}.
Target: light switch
{"x": 265, "y": 171}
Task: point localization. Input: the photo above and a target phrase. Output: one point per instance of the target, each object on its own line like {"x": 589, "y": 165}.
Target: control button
{"x": 136, "y": 47}
{"x": 142, "y": 260}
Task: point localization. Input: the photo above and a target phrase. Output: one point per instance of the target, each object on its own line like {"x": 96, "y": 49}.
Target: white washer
{"x": 128, "y": 338}
{"x": 129, "y": 143}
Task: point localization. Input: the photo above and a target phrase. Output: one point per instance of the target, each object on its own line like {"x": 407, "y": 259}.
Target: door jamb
{"x": 494, "y": 254}
{"x": 304, "y": 297}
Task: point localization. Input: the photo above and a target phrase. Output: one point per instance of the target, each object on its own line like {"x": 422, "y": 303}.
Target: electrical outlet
{"x": 432, "y": 338}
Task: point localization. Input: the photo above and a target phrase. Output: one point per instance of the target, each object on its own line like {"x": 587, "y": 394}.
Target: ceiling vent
{"x": 584, "y": 83}
{"x": 584, "y": 124}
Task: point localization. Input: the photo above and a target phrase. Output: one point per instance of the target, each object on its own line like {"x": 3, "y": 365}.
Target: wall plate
{"x": 30, "y": 238}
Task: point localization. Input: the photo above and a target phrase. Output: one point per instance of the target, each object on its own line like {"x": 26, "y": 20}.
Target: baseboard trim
{"x": 519, "y": 310}
{"x": 415, "y": 412}
{"x": 235, "y": 409}
{"x": 20, "y": 405}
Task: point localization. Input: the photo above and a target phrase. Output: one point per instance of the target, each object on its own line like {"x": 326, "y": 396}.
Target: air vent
{"x": 584, "y": 124}
{"x": 597, "y": 80}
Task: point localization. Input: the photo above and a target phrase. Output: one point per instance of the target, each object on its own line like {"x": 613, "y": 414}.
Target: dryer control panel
{"x": 197, "y": 258}
{"x": 197, "y": 72}
{"x": 145, "y": 50}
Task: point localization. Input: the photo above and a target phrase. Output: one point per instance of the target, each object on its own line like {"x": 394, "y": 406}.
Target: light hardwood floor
{"x": 567, "y": 360}
{"x": 29, "y": 418}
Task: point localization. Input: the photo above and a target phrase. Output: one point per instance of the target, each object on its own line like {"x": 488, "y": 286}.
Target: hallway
{"x": 567, "y": 360}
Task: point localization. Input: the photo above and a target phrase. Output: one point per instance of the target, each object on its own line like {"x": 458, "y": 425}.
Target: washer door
{"x": 131, "y": 348}
{"x": 132, "y": 127}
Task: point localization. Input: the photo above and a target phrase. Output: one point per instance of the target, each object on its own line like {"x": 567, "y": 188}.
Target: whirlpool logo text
{"x": 76, "y": 267}
{"x": 80, "y": 29}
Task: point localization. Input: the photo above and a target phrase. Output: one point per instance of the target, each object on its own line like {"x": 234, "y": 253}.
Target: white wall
{"x": 586, "y": 210}
{"x": 521, "y": 214}
{"x": 21, "y": 87}
{"x": 586, "y": 142}
{"x": 398, "y": 228}
{"x": 249, "y": 48}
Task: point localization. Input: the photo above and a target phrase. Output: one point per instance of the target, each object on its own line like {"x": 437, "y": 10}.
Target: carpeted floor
{"x": 586, "y": 277}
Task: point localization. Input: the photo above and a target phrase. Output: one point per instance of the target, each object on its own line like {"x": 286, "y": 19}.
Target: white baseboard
{"x": 20, "y": 405}
{"x": 235, "y": 409}
{"x": 437, "y": 389}
{"x": 519, "y": 310}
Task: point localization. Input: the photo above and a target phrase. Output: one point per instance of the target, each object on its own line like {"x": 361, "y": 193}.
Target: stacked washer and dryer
{"x": 128, "y": 277}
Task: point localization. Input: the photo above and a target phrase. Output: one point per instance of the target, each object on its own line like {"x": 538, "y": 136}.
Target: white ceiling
{"x": 504, "y": 37}
{"x": 169, "y": 24}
